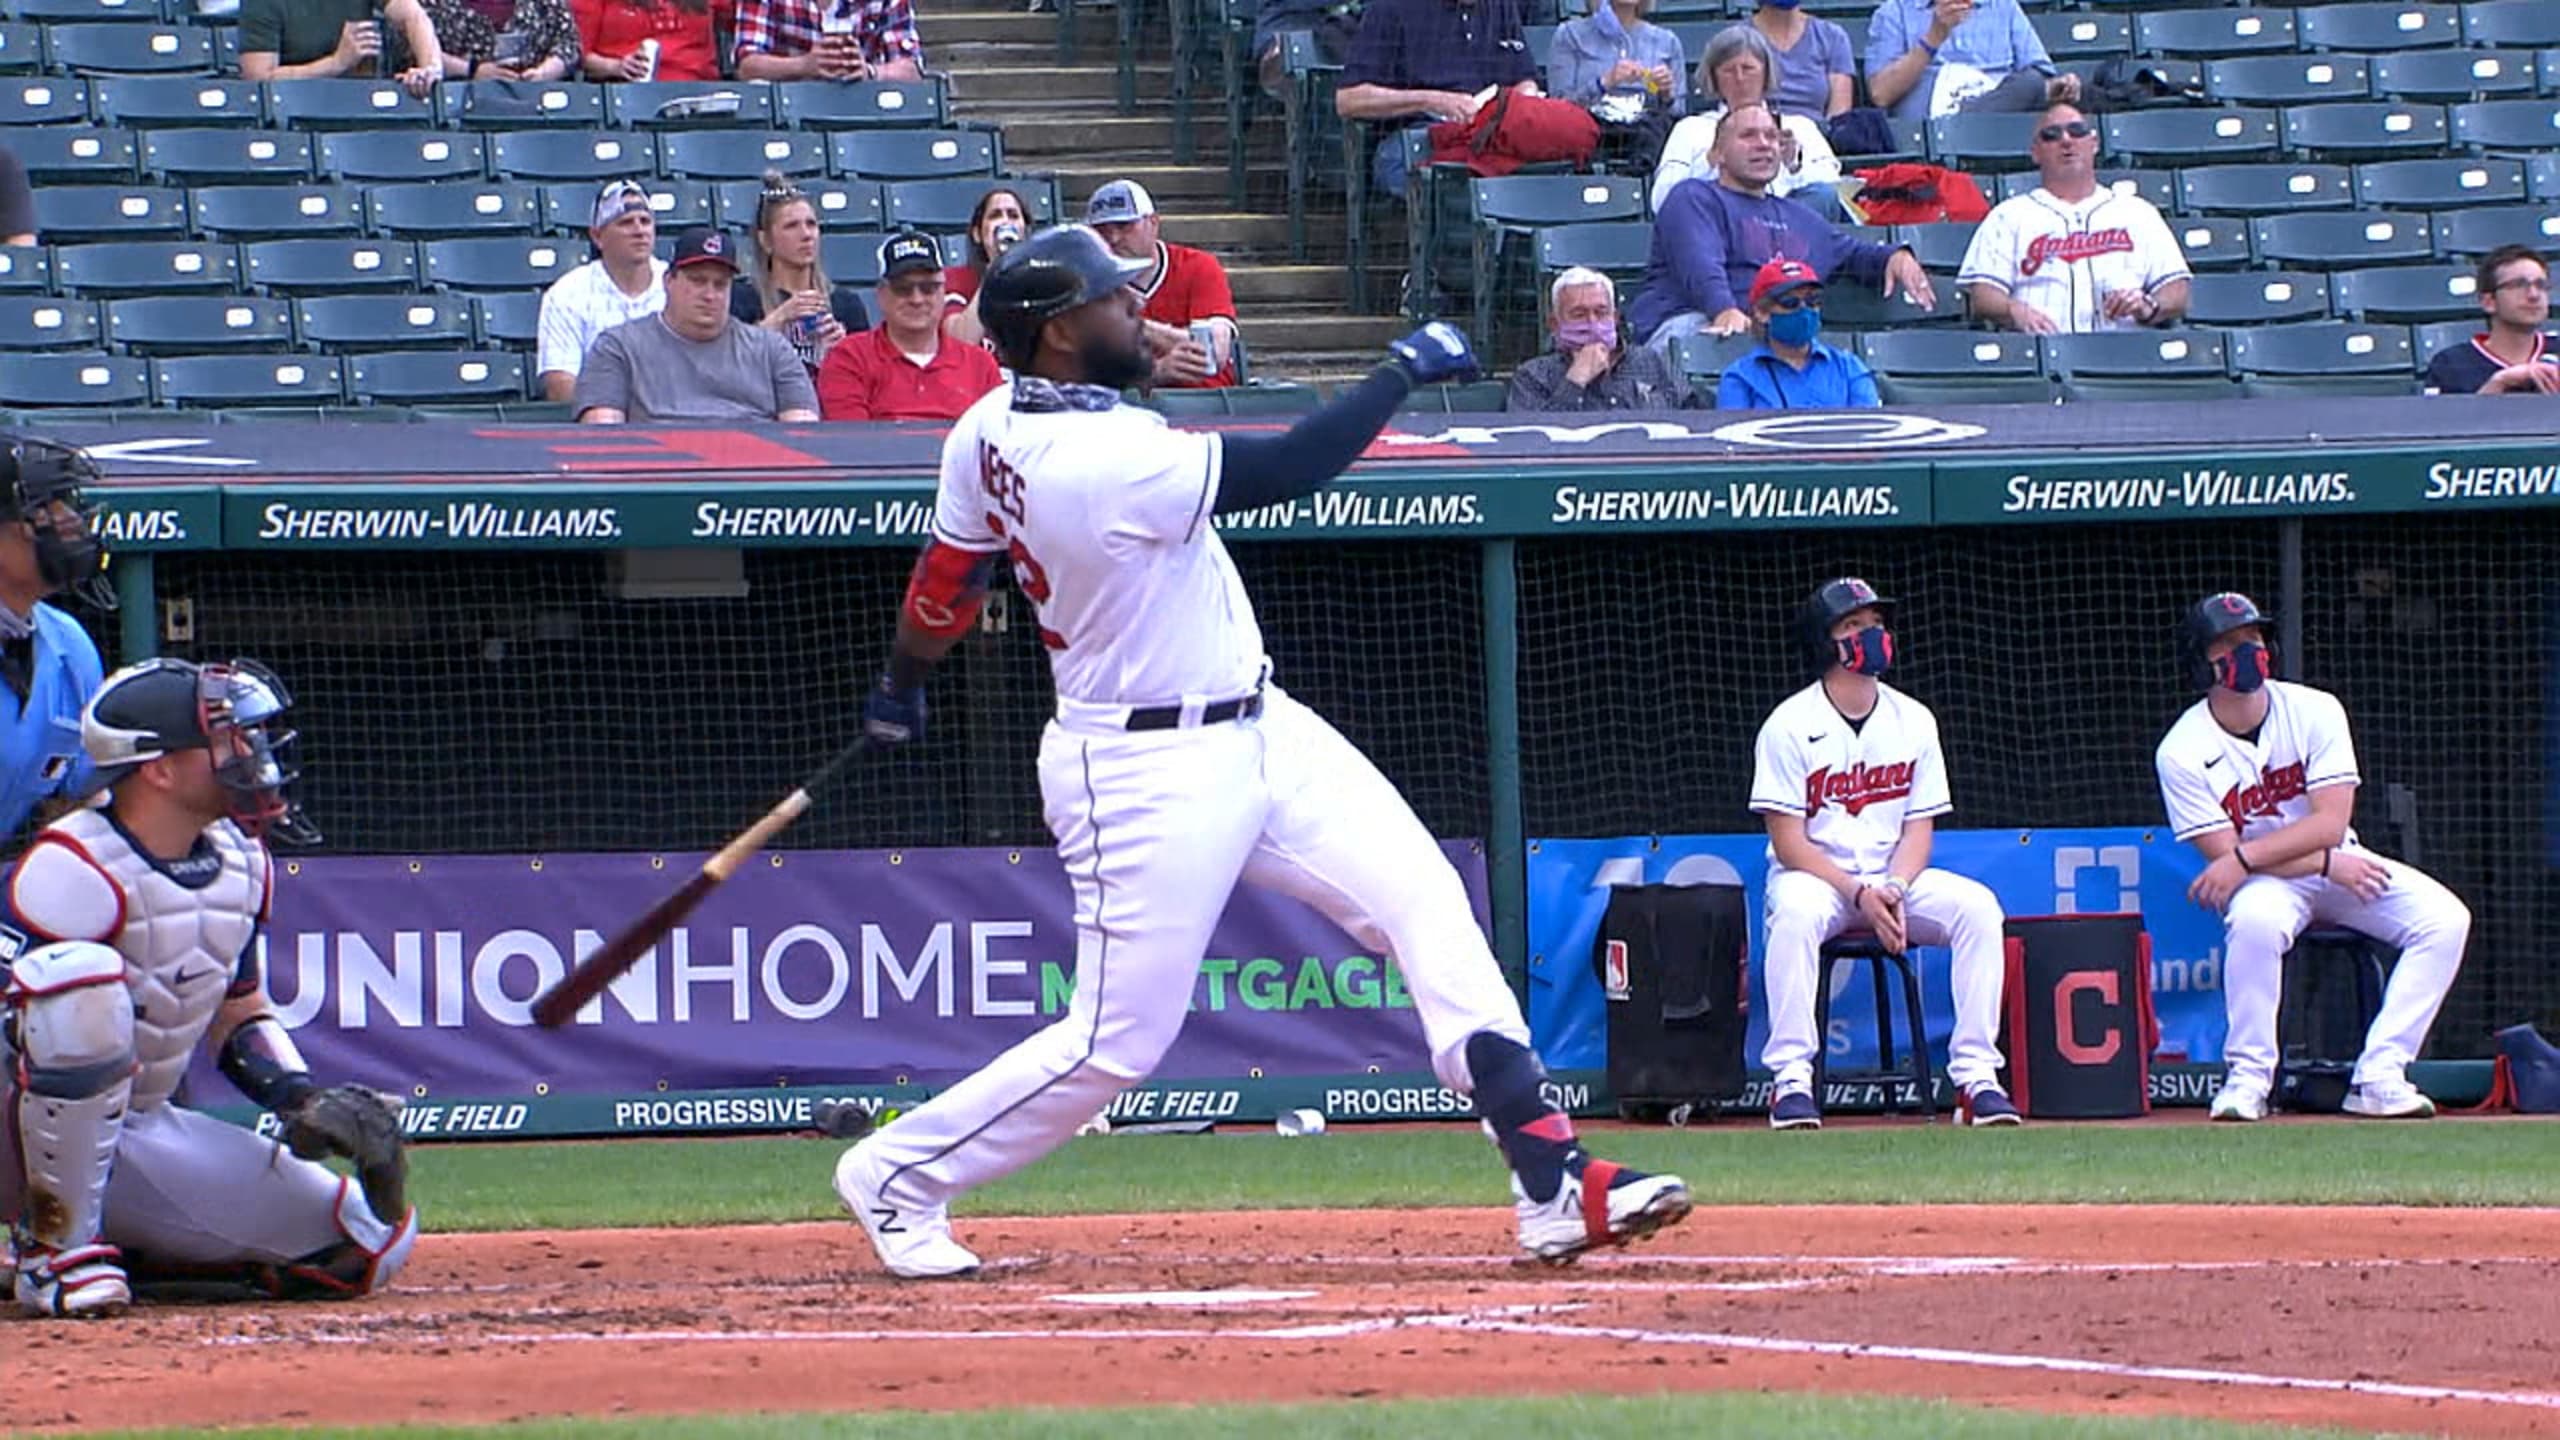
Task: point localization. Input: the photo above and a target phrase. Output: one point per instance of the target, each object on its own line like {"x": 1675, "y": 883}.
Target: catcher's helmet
{"x": 1823, "y": 608}
{"x": 1046, "y": 276}
{"x": 2208, "y": 620}
{"x": 43, "y": 483}
{"x": 160, "y": 707}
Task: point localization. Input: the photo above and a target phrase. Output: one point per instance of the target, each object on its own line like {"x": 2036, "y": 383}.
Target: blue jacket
{"x": 1830, "y": 380}
{"x": 40, "y": 754}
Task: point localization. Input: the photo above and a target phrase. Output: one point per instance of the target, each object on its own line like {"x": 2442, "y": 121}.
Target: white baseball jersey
{"x": 2060, "y": 256}
{"x": 1854, "y": 785}
{"x": 2211, "y": 779}
{"x": 1105, "y": 517}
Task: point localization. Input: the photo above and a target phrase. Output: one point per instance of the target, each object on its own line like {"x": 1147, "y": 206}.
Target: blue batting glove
{"x": 891, "y": 716}
{"x": 1435, "y": 353}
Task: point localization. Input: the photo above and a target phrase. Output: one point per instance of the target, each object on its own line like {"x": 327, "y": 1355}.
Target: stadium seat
{"x": 326, "y": 267}
{"x": 2542, "y": 177}
{"x": 339, "y": 324}
{"x": 73, "y": 379}
{"x": 1507, "y": 208}
{"x": 1978, "y": 143}
{"x": 147, "y": 102}
{"x": 277, "y": 212}
{"x": 131, "y": 49}
{"x": 2507, "y": 124}
{"x": 2191, "y": 137}
{"x": 944, "y": 205}
{"x": 413, "y": 376}
{"x": 1700, "y": 360}
{"x": 498, "y": 263}
{"x": 2079, "y": 34}
{"x": 1983, "y": 390}
{"x": 1939, "y": 248}
{"x": 21, "y": 48}
{"x": 397, "y": 156}
{"x": 110, "y": 212}
{"x": 2213, "y": 242}
{"x": 739, "y": 154}
{"x": 315, "y": 414}
{"x": 2343, "y": 239}
{"x": 587, "y": 156}
{"x": 2439, "y": 184}
{"x": 2221, "y": 33}
{"x": 2265, "y": 189}
{"x": 2453, "y": 75}
{"x": 912, "y": 154}
{"x": 2523, "y": 24}
{"x": 2477, "y": 232}
{"x": 2406, "y": 294}
{"x": 2357, "y": 131}
{"x": 437, "y": 208}
{"x": 196, "y": 324}
{"x": 348, "y": 105}
{"x": 2373, "y": 27}
{"x": 1857, "y": 305}
{"x": 841, "y": 204}
{"x": 827, "y": 105}
{"x": 651, "y": 104}
{"x": 43, "y": 100}
{"x": 79, "y": 154}
{"x": 2141, "y": 365}
{"x": 1617, "y": 249}
{"x": 26, "y": 270}
{"x": 2287, "y": 79}
{"x": 83, "y": 12}
{"x": 2258, "y": 297}
{"x": 1950, "y": 354}
{"x": 2157, "y": 186}
{"x": 851, "y": 257}
{"x": 2427, "y": 340}
{"x": 2322, "y": 348}
{"x": 520, "y": 105}
{"x": 675, "y": 204}
{"x": 45, "y": 322}
{"x": 512, "y": 318}
{"x": 217, "y": 157}
{"x": 226, "y": 381}
{"x": 146, "y": 267}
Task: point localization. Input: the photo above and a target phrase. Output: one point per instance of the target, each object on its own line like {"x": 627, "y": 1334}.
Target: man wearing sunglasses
{"x": 1792, "y": 369}
{"x": 2512, "y": 356}
{"x": 2072, "y": 256}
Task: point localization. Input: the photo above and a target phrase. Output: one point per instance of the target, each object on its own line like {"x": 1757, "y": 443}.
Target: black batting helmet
{"x": 1823, "y": 608}
{"x": 163, "y": 706}
{"x": 2208, "y": 620}
{"x": 1046, "y": 276}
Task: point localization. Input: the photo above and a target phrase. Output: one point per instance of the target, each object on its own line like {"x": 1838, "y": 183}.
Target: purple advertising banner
{"x": 809, "y": 967}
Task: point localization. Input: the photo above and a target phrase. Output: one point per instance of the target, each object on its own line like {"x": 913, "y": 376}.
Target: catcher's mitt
{"x": 843, "y": 1119}
{"x": 363, "y": 1125}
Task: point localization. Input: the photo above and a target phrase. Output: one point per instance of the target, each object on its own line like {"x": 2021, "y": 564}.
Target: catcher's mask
{"x": 160, "y": 707}
{"x": 44, "y": 484}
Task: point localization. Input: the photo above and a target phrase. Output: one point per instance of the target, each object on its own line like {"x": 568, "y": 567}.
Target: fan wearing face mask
{"x": 1588, "y": 367}
{"x": 1792, "y": 369}
{"x": 2260, "y": 776}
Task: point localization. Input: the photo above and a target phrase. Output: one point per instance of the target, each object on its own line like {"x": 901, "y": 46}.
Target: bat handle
{"x": 755, "y": 837}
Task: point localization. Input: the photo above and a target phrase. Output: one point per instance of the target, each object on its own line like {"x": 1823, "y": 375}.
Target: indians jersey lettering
{"x": 1853, "y": 787}
{"x": 2062, "y": 257}
{"x": 2211, "y": 779}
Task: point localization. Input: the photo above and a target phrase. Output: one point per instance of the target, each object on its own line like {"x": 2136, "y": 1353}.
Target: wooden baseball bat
{"x": 555, "y": 1006}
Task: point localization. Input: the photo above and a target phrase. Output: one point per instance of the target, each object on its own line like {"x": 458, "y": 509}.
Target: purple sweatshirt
{"x": 1710, "y": 241}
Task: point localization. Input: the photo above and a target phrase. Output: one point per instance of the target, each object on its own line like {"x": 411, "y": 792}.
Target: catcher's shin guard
{"x": 71, "y": 1026}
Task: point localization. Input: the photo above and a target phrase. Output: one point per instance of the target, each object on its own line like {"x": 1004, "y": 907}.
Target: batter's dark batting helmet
{"x": 1044, "y": 277}
{"x": 2208, "y": 620}
{"x": 1823, "y": 608}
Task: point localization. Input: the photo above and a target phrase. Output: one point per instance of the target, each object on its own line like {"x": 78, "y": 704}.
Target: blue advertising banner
{"x": 2039, "y": 872}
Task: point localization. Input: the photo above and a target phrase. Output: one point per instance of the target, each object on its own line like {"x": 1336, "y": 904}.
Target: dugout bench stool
{"x": 2314, "y": 1060}
{"x": 1862, "y": 945}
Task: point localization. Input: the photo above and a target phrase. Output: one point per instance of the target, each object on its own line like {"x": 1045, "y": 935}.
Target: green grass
{"x": 701, "y": 1182}
{"x": 1833, "y": 1418}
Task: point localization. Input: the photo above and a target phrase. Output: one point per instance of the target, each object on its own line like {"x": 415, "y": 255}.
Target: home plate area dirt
{"x": 2432, "y": 1321}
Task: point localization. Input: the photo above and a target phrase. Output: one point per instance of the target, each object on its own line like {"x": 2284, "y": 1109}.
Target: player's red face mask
{"x": 2247, "y": 667}
{"x": 1866, "y": 652}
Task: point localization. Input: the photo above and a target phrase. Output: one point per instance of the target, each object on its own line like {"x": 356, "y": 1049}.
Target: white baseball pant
{"x": 1941, "y": 908}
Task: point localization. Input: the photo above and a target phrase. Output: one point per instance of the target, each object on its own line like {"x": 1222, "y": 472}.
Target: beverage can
{"x": 804, "y": 330}
{"x": 649, "y": 56}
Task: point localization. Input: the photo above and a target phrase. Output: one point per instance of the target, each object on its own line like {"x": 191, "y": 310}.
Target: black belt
{"x": 1169, "y": 717}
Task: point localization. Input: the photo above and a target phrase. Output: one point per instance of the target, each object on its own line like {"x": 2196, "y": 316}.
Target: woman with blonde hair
{"x": 787, "y": 291}
{"x": 1738, "y": 69}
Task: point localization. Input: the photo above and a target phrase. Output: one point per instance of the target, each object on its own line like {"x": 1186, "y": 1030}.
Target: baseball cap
{"x": 1118, "y": 203}
{"x": 704, "y": 247}
{"x": 909, "y": 251}
{"x": 1781, "y": 275}
{"x": 616, "y": 199}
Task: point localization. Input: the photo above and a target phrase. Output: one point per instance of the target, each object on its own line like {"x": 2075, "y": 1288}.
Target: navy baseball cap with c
{"x": 704, "y": 247}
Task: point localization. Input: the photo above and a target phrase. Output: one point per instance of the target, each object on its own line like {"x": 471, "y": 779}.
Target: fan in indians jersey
{"x": 1850, "y": 780}
{"x": 2260, "y": 775}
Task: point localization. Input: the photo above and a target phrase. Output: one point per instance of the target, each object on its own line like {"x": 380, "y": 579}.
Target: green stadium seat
{"x": 123, "y": 49}
{"x": 840, "y": 204}
{"x": 2247, "y": 31}
{"x": 1860, "y": 306}
{"x": 67, "y": 213}
{"x": 587, "y": 156}
{"x": 2426, "y": 340}
{"x": 2507, "y": 124}
{"x": 42, "y": 100}
{"x": 73, "y": 379}
{"x": 1939, "y": 248}
{"x": 146, "y": 267}
{"x": 194, "y": 324}
{"x": 2542, "y": 177}
{"x": 520, "y": 105}
{"x": 347, "y": 105}
{"x": 2335, "y": 387}
{"x": 2078, "y": 34}
{"x": 423, "y": 377}
{"x": 1978, "y": 143}
{"x": 329, "y": 267}
{"x": 2375, "y": 27}
{"x": 2257, "y": 297}
{"x": 1951, "y": 354}
{"x": 1517, "y": 205}
{"x": 739, "y": 154}
{"x": 26, "y": 270}
{"x": 2356, "y": 131}
{"x": 652, "y": 104}
{"x": 2264, "y": 189}
{"x": 873, "y": 104}
{"x": 277, "y": 212}
{"x": 1188, "y": 404}
{"x": 944, "y": 205}
{"x": 1700, "y": 359}
{"x": 77, "y": 154}
{"x": 1617, "y": 249}
{"x": 2322, "y": 348}
{"x": 912, "y": 154}
{"x": 2439, "y": 184}
{"x": 147, "y": 102}
{"x": 2477, "y": 232}
{"x": 498, "y": 263}
{"x": 83, "y": 12}
{"x": 400, "y": 156}
{"x": 851, "y": 257}
{"x": 1282, "y": 399}
{"x": 2203, "y": 136}
{"x": 217, "y": 157}
{"x": 1965, "y": 390}
{"x": 2213, "y": 242}
{"x": 200, "y": 382}
{"x": 21, "y": 48}
{"x": 2343, "y": 240}
{"x": 2406, "y": 294}
{"x": 438, "y": 208}
{"x": 2453, "y": 75}
{"x": 2157, "y": 186}
{"x": 340, "y": 324}
{"x": 2500, "y": 23}
{"x": 676, "y": 205}
{"x": 2127, "y": 361}
{"x": 44, "y": 322}
{"x": 2287, "y": 79}
{"x": 512, "y": 319}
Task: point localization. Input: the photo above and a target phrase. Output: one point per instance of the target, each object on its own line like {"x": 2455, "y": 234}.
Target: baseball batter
{"x": 129, "y": 931}
{"x": 2260, "y": 776}
{"x": 1850, "y": 780}
{"x": 1173, "y": 768}
{"x": 48, "y": 664}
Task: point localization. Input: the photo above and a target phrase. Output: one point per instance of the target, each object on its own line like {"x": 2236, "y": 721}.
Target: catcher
{"x": 129, "y": 932}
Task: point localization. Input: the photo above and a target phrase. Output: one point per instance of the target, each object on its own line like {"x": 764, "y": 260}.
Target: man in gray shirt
{"x": 691, "y": 361}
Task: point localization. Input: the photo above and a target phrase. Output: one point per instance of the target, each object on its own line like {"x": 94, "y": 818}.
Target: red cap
{"x": 1781, "y": 274}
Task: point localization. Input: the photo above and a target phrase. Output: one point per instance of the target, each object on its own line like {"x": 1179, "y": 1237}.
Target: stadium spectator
{"x": 906, "y": 368}
{"x": 330, "y": 39}
{"x": 2073, "y": 256}
{"x": 1418, "y": 62}
{"x": 506, "y": 39}
{"x": 997, "y": 223}
{"x": 17, "y": 201}
{"x": 692, "y": 361}
{"x": 1189, "y": 310}
{"x": 623, "y": 283}
{"x": 612, "y": 33}
{"x": 1927, "y": 58}
{"x": 1589, "y": 367}
{"x": 828, "y": 40}
{"x": 1735, "y": 71}
{"x": 1791, "y": 369}
{"x": 2512, "y": 356}
{"x": 1815, "y": 74}
{"x": 1712, "y": 236}
{"x": 787, "y": 291}
{"x": 1616, "y": 48}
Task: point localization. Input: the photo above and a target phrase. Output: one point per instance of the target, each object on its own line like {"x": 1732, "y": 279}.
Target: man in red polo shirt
{"x": 903, "y": 368}
{"x": 1183, "y": 290}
